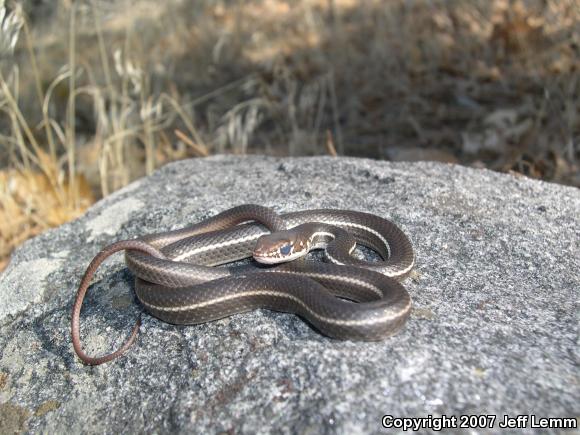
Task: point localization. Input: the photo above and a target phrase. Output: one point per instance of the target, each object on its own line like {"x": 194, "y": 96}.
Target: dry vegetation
{"x": 94, "y": 94}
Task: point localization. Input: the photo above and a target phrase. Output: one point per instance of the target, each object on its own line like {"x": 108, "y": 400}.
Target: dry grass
{"x": 30, "y": 205}
{"x": 99, "y": 93}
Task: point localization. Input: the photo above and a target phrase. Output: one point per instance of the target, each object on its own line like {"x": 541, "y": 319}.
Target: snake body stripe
{"x": 186, "y": 255}
{"x": 387, "y": 316}
{"x": 363, "y": 228}
{"x": 347, "y": 299}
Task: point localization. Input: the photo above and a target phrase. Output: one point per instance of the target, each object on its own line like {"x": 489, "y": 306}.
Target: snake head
{"x": 279, "y": 247}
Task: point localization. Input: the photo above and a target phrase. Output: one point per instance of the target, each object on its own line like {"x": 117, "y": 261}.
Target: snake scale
{"x": 346, "y": 298}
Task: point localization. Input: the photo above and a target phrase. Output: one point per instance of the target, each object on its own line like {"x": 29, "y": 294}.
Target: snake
{"x": 189, "y": 276}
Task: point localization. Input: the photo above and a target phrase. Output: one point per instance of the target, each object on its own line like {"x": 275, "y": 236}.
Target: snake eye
{"x": 285, "y": 250}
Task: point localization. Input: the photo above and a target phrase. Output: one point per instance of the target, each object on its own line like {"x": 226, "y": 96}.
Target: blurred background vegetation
{"x": 96, "y": 93}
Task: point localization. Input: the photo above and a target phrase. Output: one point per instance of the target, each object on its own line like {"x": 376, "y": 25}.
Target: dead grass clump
{"x": 29, "y": 205}
{"x": 51, "y": 156}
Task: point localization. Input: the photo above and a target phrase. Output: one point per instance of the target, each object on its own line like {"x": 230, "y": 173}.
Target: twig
{"x": 335, "y": 117}
{"x": 200, "y": 150}
{"x": 329, "y": 143}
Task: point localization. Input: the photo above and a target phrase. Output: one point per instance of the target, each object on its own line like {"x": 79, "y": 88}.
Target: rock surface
{"x": 494, "y": 329}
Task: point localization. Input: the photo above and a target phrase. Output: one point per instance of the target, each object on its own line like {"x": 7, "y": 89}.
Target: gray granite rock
{"x": 494, "y": 330}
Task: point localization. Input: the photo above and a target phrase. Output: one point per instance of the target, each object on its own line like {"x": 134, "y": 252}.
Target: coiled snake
{"x": 345, "y": 298}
